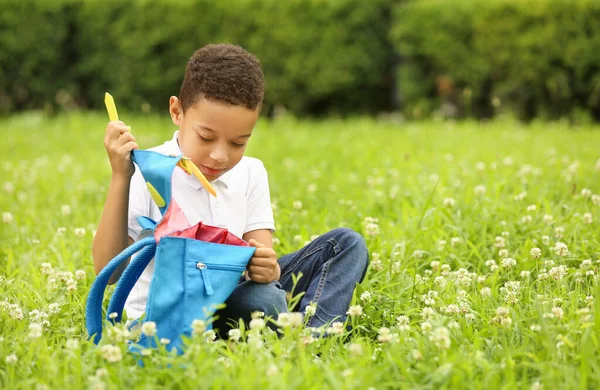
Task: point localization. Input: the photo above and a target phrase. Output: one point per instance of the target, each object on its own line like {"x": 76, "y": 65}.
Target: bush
{"x": 535, "y": 58}
{"x": 318, "y": 56}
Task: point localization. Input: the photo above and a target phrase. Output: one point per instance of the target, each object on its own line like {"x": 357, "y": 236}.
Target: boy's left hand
{"x": 263, "y": 267}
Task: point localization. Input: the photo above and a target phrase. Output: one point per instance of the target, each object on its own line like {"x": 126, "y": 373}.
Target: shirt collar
{"x": 172, "y": 148}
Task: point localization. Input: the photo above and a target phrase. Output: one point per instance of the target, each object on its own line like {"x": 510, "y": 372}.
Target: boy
{"x": 216, "y": 110}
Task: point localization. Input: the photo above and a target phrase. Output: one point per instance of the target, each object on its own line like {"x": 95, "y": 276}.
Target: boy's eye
{"x": 205, "y": 139}
{"x": 237, "y": 145}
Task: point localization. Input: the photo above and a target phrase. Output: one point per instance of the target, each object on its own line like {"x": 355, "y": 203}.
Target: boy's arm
{"x": 111, "y": 236}
{"x": 263, "y": 267}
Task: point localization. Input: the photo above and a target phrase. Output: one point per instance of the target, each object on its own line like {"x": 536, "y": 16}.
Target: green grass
{"x": 343, "y": 172}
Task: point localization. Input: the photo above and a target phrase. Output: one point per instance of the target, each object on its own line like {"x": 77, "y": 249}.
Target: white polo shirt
{"x": 243, "y": 204}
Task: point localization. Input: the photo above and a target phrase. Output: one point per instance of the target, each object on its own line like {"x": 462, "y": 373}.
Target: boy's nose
{"x": 219, "y": 154}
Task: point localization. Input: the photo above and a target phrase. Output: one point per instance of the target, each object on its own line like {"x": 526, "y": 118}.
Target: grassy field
{"x": 456, "y": 296}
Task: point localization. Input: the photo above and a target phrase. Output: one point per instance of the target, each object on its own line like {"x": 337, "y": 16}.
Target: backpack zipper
{"x": 203, "y": 267}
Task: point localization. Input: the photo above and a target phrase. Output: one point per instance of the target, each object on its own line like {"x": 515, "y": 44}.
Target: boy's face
{"x": 213, "y": 134}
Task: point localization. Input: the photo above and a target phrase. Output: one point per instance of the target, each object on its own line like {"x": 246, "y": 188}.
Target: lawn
{"x": 483, "y": 242}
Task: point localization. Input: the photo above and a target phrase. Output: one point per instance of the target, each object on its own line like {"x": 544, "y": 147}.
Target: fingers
{"x": 256, "y": 244}
{"x": 260, "y": 275}
{"x": 265, "y": 253}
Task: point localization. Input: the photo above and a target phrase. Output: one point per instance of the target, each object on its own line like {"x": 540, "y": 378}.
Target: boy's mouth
{"x": 210, "y": 171}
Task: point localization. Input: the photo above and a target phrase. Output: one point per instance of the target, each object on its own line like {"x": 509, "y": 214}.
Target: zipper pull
{"x": 204, "y": 272}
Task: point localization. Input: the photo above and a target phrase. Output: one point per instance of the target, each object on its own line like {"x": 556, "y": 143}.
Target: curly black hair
{"x": 225, "y": 73}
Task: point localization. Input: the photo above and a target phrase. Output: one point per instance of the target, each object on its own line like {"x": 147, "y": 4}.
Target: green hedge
{"x": 456, "y": 57}
{"x": 319, "y": 56}
{"x": 535, "y": 58}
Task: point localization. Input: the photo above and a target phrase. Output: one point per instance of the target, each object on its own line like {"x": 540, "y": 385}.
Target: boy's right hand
{"x": 119, "y": 142}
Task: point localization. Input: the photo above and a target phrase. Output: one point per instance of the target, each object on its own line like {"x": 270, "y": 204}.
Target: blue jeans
{"x": 331, "y": 265}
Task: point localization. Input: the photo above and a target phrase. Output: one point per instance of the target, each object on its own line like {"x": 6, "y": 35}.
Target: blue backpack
{"x": 196, "y": 268}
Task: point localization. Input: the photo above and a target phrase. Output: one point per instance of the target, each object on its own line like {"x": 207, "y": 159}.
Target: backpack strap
{"x": 130, "y": 276}
{"x": 93, "y": 309}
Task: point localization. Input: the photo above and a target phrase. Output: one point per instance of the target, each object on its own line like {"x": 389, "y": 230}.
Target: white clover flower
{"x": 525, "y": 274}
{"x": 355, "y": 349}
{"x": 234, "y": 334}
{"x": 366, "y": 296}
{"x": 427, "y": 312}
{"x": 61, "y": 230}
{"x": 396, "y": 267}
{"x": 272, "y": 370}
{"x": 503, "y": 253}
{"x": 480, "y": 190}
{"x": 311, "y": 309}
{"x": 521, "y": 196}
{"x": 258, "y": 324}
{"x": 377, "y": 265}
{"x": 372, "y": 229}
{"x": 149, "y": 328}
{"x": 449, "y": 202}
{"x": 485, "y": 292}
{"x": 297, "y": 204}
{"x": 257, "y": 314}
{"x": 35, "y": 331}
{"x": 559, "y": 232}
{"x": 72, "y": 344}
{"x": 545, "y": 240}
{"x": 561, "y": 249}
{"x": 452, "y": 309}
{"x": 386, "y": 336}
{"x": 558, "y": 312}
{"x": 470, "y": 317}
{"x": 455, "y": 241}
{"x": 500, "y": 242}
{"x": 535, "y": 328}
{"x": 526, "y": 219}
{"x": 295, "y": 319}
{"x": 549, "y": 263}
{"x": 557, "y": 273}
{"x": 509, "y": 262}
{"x": 596, "y": 199}
{"x": 587, "y": 218}
{"x": 426, "y": 327}
{"x": 11, "y": 359}
{"x": 15, "y": 312}
{"x": 403, "y": 322}
{"x": 165, "y": 341}
{"x": 52, "y": 284}
{"x": 548, "y": 219}
{"x": 79, "y": 232}
{"x": 53, "y": 308}
{"x": 283, "y": 320}
{"x": 441, "y": 244}
{"x": 8, "y": 187}
{"x": 7, "y": 217}
{"x": 586, "y": 193}
{"x": 531, "y": 208}
{"x": 198, "y": 327}
{"x": 441, "y": 337}
{"x": 336, "y": 328}
{"x": 355, "y": 311}
{"x": 80, "y": 274}
{"x": 46, "y": 268}
{"x": 254, "y": 340}
{"x": 535, "y": 253}
{"x": 111, "y": 353}
{"x": 65, "y": 209}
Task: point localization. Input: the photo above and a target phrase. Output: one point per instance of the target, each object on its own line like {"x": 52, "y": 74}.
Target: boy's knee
{"x": 251, "y": 296}
{"x": 355, "y": 242}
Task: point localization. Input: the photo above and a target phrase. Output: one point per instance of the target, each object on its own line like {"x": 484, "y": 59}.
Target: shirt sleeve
{"x": 139, "y": 203}
{"x": 259, "y": 212}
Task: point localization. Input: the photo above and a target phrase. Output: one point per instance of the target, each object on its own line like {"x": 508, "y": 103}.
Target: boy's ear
{"x": 176, "y": 110}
